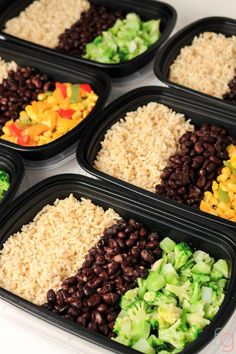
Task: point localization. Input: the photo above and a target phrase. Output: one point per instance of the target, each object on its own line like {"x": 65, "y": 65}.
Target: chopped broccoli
{"x": 140, "y": 329}
{"x": 141, "y": 287}
{"x": 170, "y": 274}
{"x": 158, "y": 265}
{"x": 181, "y": 291}
{"x": 157, "y": 298}
{"x": 155, "y": 281}
{"x": 129, "y": 297}
{"x": 201, "y": 256}
{"x": 138, "y": 310}
{"x": 197, "y": 319}
{"x": 122, "y": 327}
{"x": 4, "y": 183}
{"x": 182, "y": 253}
{"x": 167, "y": 315}
{"x": 167, "y": 245}
{"x": 192, "y": 333}
{"x": 157, "y": 343}
{"x": 172, "y": 336}
{"x": 220, "y": 269}
{"x": 201, "y": 268}
{"x": 170, "y": 308}
{"x": 144, "y": 347}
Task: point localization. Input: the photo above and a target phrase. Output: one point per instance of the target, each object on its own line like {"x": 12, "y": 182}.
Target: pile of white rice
{"x": 44, "y": 20}
{"x": 207, "y": 65}
{"x": 136, "y": 149}
{"x": 5, "y": 67}
{"x": 51, "y": 247}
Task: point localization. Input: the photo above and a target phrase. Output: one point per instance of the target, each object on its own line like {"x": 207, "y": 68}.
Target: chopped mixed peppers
{"x": 222, "y": 200}
{"x": 52, "y": 115}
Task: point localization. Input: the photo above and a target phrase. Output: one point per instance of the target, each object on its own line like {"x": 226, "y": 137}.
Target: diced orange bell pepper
{"x": 62, "y": 88}
{"x": 36, "y": 130}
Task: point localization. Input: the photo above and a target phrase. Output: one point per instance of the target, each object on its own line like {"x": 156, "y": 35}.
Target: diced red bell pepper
{"x": 66, "y": 113}
{"x": 23, "y": 140}
{"x": 86, "y": 87}
{"x": 62, "y": 88}
{"x": 14, "y": 130}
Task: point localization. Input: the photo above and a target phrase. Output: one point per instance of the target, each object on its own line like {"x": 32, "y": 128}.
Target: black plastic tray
{"x": 171, "y": 49}
{"x": 181, "y": 102}
{"x": 59, "y": 71}
{"x": 147, "y": 9}
{"x": 13, "y": 164}
{"x": 218, "y": 242}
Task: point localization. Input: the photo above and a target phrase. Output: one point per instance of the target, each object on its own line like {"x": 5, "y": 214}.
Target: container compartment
{"x": 218, "y": 242}
{"x": 148, "y": 10}
{"x": 171, "y": 49}
{"x": 59, "y": 71}
{"x": 195, "y": 110}
{"x": 14, "y": 166}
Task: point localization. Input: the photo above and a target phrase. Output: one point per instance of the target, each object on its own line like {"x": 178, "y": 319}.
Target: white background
{"x": 21, "y": 333}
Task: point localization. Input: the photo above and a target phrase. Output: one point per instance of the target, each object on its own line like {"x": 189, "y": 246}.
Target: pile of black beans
{"x": 231, "y": 95}
{"x": 90, "y": 25}
{"x": 124, "y": 253}
{"x": 191, "y": 172}
{"x": 19, "y": 89}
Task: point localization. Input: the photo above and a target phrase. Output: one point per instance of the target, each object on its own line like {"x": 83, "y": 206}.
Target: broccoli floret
{"x": 192, "y": 333}
{"x": 4, "y": 183}
{"x": 141, "y": 287}
{"x": 122, "y": 327}
{"x": 144, "y": 347}
{"x": 167, "y": 245}
{"x": 157, "y": 298}
{"x": 169, "y": 258}
{"x": 201, "y": 256}
{"x": 122, "y": 340}
{"x": 155, "y": 281}
{"x": 157, "y": 343}
{"x": 151, "y": 297}
{"x": 197, "y": 319}
{"x": 181, "y": 291}
{"x": 207, "y": 295}
{"x": 139, "y": 330}
{"x": 128, "y": 298}
{"x": 196, "y": 292}
{"x": 182, "y": 253}
{"x": 167, "y": 315}
{"x": 170, "y": 274}
{"x": 158, "y": 265}
{"x": 172, "y": 336}
{"x": 220, "y": 269}
{"x": 138, "y": 310}
{"x": 201, "y": 268}
{"x": 201, "y": 278}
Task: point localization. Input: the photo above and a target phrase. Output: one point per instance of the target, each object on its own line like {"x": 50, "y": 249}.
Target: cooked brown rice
{"x": 51, "y": 247}
{"x": 44, "y": 20}
{"x": 207, "y": 65}
{"x": 136, "y": 148}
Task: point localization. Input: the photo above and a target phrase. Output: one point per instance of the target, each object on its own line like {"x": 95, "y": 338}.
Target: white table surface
{"x": 21, "y": 333}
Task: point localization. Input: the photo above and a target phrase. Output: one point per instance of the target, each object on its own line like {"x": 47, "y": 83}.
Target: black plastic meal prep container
{"x": 63, "y": 72}
{"x": 13, "y": 164}
{"x": 148, "y": 9}
{"x": 171, "y": 49}
{"x": 219, "y": 243}
{"x": 198, "y": 111}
